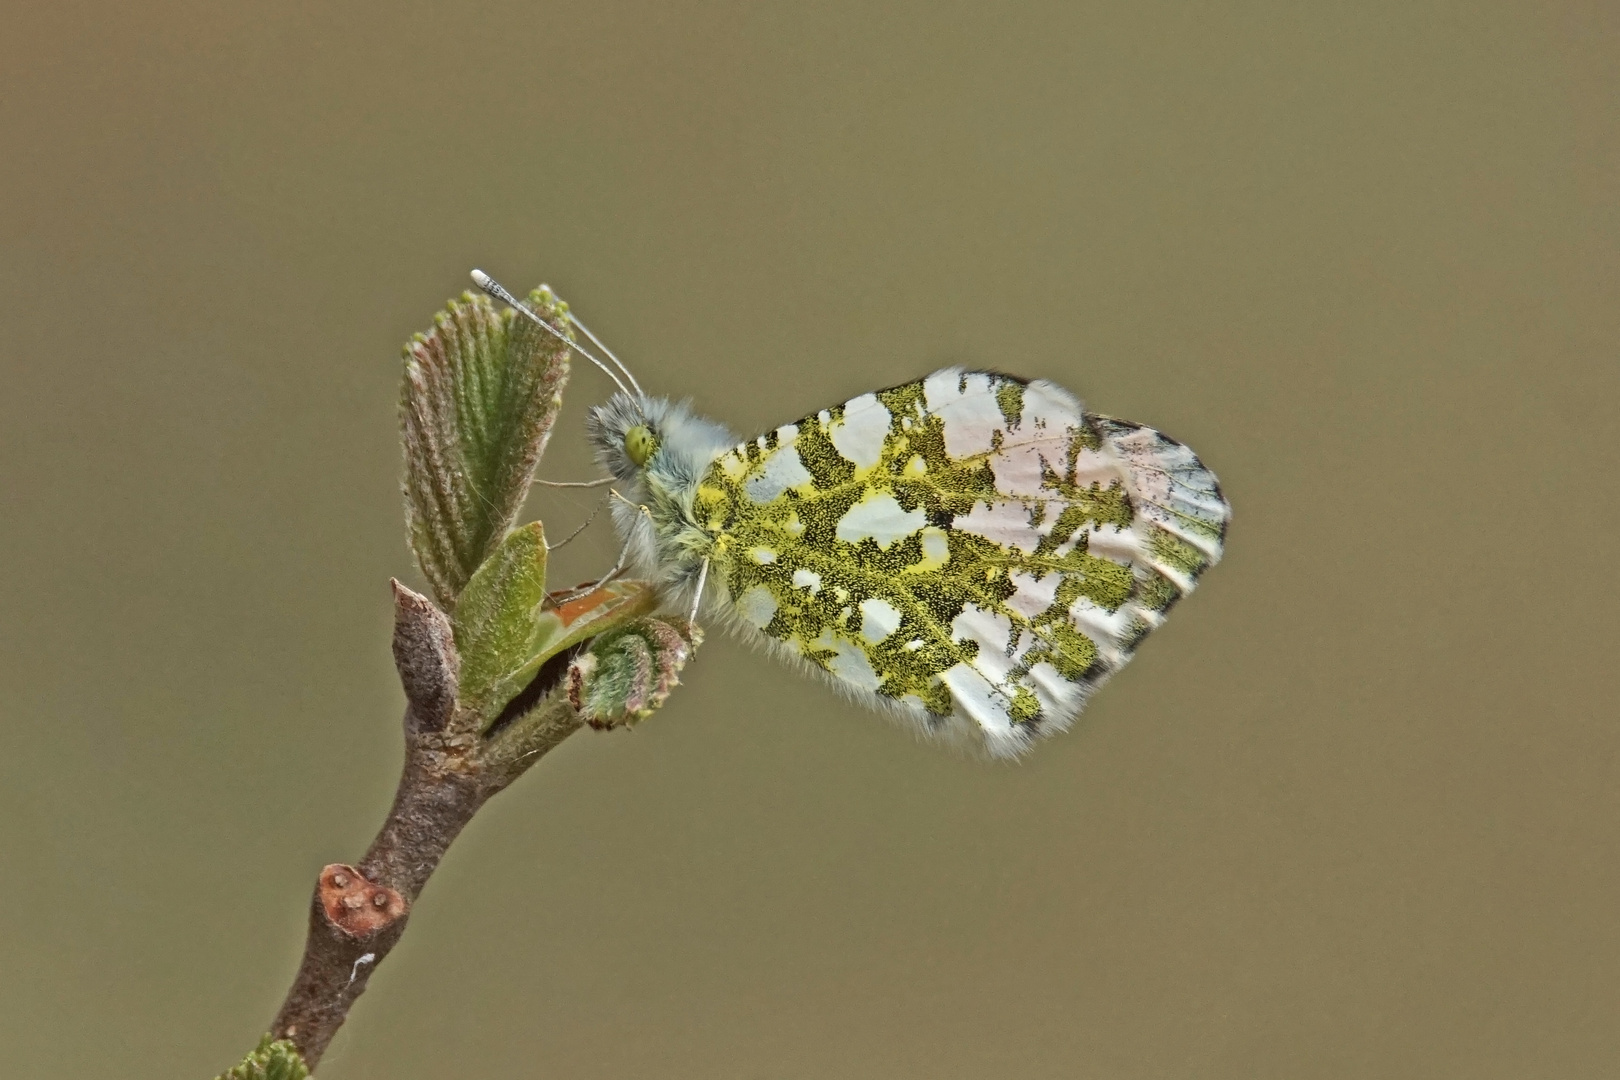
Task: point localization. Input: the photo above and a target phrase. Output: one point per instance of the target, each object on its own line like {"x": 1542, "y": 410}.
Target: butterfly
{"x": 970, "y": 552}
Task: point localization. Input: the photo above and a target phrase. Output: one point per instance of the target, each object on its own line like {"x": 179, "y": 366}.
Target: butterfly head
{"x": 638, "y": 437}
{"x": 626, "y": 432}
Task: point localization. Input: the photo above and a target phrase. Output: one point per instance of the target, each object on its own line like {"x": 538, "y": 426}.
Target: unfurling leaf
{"x": 496, "y": 623}
{"x": 506, "y": 626}
{"x": 625, "y": 674}
{"x": 480, "y": 394}
{"x": 269, "y": 1061}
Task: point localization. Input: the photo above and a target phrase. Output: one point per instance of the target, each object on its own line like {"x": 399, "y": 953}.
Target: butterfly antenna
{"x": 494, "y": 288}
{"x": 598, "y": 343}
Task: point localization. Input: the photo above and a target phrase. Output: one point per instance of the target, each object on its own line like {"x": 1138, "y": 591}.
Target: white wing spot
{"x": 879, "y": 517}
{"x": 1003, "y": 522}
{"x": 848, "y": 662}
{"x": 807, "y": 579}
{"x": 782, "y": 470}
{"x": 762, "y": 555}
{"x": 1049, "y": 405}
{"x": 1034, "y": 595}
{"x": 757, "y": 605}
{"x": 975, "y": 696}
{"x": 879, "y": 619}
{"x": 864, "y": 428}
{"x": 967, "y": 408}
{"x": 992, "y": 630}
{"x": 936, "y": 550}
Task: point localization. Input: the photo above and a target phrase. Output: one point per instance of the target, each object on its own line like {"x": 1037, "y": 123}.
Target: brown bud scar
{"x": 354, "y": 905}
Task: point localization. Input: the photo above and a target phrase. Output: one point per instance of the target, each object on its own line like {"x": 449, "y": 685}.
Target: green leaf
{"x": 506, "y": 626}
{"x": 497, "y": 623}
{"x": 480, "y": 394}
{"x": 269, "y": 1061}
{"x": 627, "y": 673}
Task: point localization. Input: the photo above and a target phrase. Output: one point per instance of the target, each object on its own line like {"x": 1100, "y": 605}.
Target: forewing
{"x": 969, "y": 550}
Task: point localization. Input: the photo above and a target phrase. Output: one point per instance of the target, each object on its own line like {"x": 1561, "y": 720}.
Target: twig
{"x": 358, "y": 913}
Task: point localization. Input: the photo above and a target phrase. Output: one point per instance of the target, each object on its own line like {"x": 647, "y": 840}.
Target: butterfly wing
{"x": 969, "y": 550}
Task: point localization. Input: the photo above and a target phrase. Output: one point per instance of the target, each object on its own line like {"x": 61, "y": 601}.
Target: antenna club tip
{"x": 481, "y": 279}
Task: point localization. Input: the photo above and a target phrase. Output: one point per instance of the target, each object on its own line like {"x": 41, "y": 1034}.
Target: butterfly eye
{"x": 640, "y": 443}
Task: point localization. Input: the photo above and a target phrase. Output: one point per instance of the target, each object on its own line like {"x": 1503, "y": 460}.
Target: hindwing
{"x": 971, "y": 550}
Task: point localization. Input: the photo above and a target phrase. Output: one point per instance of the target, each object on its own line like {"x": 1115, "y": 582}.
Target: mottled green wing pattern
{"x": 971, "y": 550}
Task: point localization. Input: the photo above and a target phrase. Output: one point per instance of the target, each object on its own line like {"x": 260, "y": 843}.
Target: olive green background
{"x": 1351, "y": 813}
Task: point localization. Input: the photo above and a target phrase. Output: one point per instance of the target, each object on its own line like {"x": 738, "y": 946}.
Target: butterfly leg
{"x": 553, "y": 547}
{"x": 601, "y": 482}
{"x": 612, "y": 575}
{"x": 557, "y": 599}
{"x": 697, "y": 594}
{"x": 618, "y": 568}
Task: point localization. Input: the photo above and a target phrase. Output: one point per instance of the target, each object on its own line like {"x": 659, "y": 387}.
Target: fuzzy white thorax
{"x": 654, "y": 515}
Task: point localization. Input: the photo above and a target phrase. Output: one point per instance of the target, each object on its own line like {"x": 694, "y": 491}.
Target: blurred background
{"x": 1352, "y": 812}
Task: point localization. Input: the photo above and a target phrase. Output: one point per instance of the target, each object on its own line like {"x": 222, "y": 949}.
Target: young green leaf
{"x": 269, "y": 1061}
{"x": 480, "y": 394}
{"x": 497, "y": 622}
{"x": 505, "y": 625}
